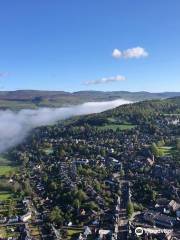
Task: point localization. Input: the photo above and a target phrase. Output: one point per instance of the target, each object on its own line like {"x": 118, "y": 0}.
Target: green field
{"x": 73, "y": 233}
{"x": 4, "y": 161}
{"x": 4, "y": 195}
{"x": 16, "y": 105}
{"x": 6, "y": 166}
{"x": 114, "y": 127}
{"x": 168, "y": 150}
{"x": 5, "y": 170}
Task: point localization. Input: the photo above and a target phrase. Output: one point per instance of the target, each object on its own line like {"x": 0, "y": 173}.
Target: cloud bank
{"x": 15, "y": 126}
{"x": 137, "y": 52}
{"x": 106, "y": 80}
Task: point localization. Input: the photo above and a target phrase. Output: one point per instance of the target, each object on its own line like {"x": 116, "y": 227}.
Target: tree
{"x": 160, "y": 143}
{"x": 153, "y": 195}
{"x": 76, "y": 203}
{"x": 103, "y": 152}
{"x": 27, "y": 187}
{"x": 53, "y": 186}
{"x": 97, "y": 185}
{"x": 122, "y": 173}
{"x": 92, "y": 206}
{"x": 62, "y": 153}
{"x": 130, "y": 209}
{"x": 178, "y": 144}
{"x": 81, "y": 195}
{"x": 154, "y": 149}
{"x": 56, "y": 215}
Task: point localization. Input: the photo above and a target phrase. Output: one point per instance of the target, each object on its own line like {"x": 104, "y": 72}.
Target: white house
{"x": 26, "y": 217}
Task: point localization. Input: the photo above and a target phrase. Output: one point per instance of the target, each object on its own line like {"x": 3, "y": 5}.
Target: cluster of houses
{"x": 115, "y": 155}
{"x": 15, "y": 219}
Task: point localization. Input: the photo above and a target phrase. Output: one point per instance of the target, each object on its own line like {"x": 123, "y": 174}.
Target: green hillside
{"x": 21, "y": 99}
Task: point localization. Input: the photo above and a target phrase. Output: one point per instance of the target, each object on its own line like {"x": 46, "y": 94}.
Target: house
{"x": 13, "y": 219}
{"x": 159, "y": 219}
{"x": 82, "y": 162}
{"x": 87, "y": 231}
{"x": 173, "y": 206}
{"x": 178, "y": 213}
{"x": 26, "y": 217}
{"x": 103, "y": 233}
{"x": 150, "y": 161}
{"x": 82, "y": 212}
{"x": 3, "y": 220}
{"x": 10, "y": 180}
{"x": 81, "y": 237}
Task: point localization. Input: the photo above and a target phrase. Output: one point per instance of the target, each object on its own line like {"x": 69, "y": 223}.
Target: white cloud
{"x": 116, "y": 53}
{"x": 106, "y": 80}
{"x": 137, "y": 52}
{"x": 15, "y": 126}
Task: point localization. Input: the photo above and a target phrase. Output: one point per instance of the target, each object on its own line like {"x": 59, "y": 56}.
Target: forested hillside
{"x": 134, "y": 113}
{"x": 21, "y": 99}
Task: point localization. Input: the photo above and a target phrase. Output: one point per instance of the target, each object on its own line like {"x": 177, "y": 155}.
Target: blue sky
{"x": 61, "y": 44}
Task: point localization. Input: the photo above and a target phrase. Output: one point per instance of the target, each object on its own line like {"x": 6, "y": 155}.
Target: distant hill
{"x": 34, "y": 98}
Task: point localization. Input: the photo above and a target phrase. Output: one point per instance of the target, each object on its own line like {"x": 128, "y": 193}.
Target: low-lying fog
{"x": 14, "y": 126}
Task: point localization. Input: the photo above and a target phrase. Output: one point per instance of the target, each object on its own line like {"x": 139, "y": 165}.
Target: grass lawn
{"x": 4, "y": 195}
{"x": 73, "y": 233}
{"x": 6, "y": 170}
{"x": 6, "y": 166}
{"x": 167, "y": 150}
{"x": 114, "y": 127}
{"x": 34, "y": 231}
{"x": 6, "y": 232}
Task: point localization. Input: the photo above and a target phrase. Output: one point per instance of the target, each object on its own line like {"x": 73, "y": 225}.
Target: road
{"x": 123, "y": 218}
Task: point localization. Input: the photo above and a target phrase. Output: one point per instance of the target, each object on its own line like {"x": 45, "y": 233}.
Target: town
{"x": 113, "y": 175}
